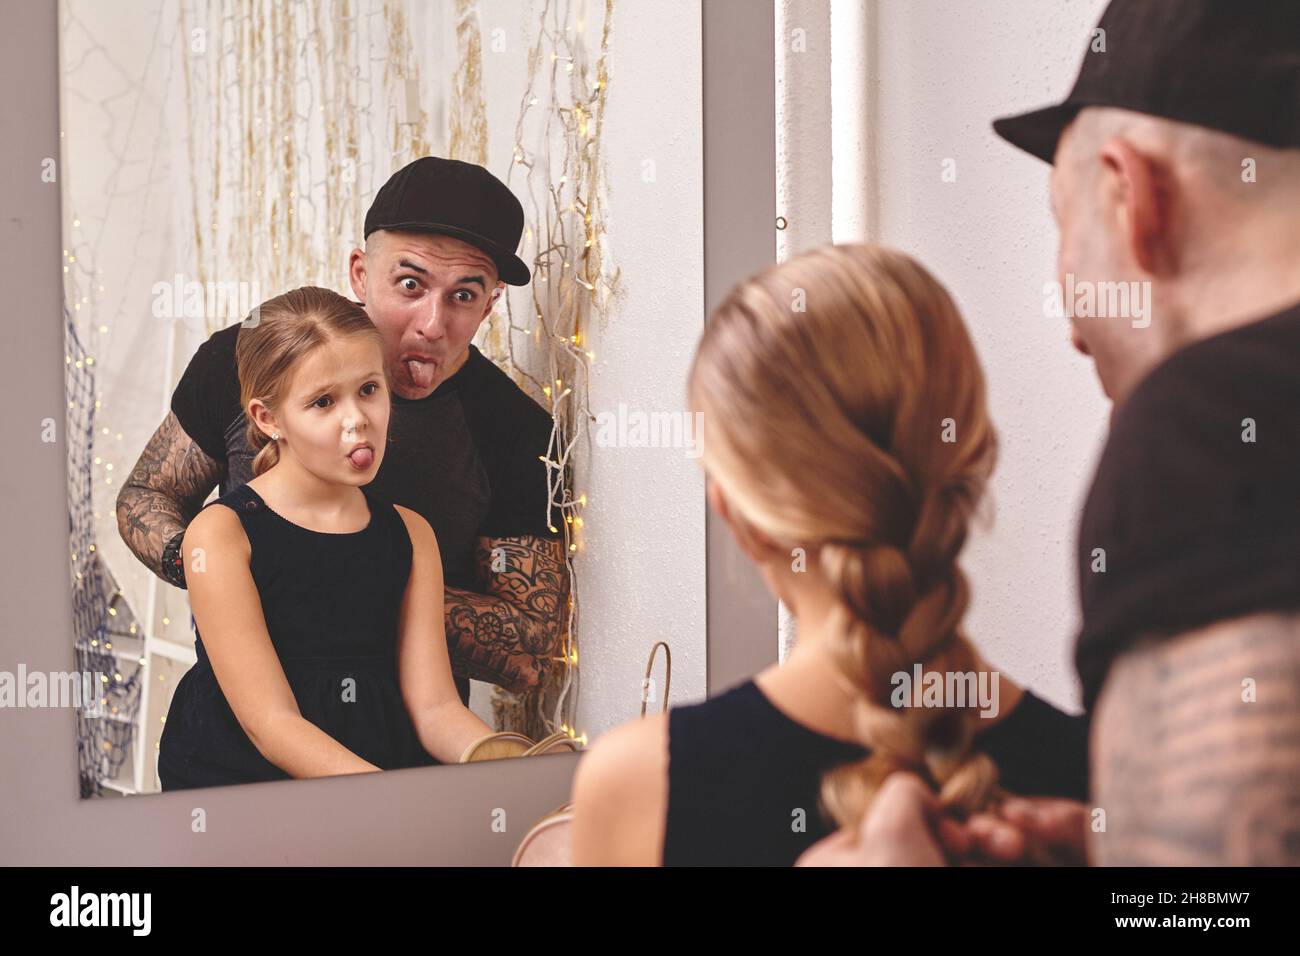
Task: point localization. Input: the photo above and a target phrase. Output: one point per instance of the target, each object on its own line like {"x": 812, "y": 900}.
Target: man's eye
{"x": 469, "y": 296}
{"x": 414, "y": 284}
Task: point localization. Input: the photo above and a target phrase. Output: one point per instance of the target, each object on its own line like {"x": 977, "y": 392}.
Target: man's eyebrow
{"x": 463, "y": 280}
{"x": 329, "y": 387}
{"x": 408, "y": 264}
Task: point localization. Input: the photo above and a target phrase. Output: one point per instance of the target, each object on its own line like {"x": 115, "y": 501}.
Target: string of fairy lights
{"x": 557, "y": 144}
{"x": 293, "y": 113}
{"x": 571, "y": 233}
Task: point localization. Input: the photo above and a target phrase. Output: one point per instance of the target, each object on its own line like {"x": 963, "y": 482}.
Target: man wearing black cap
{"x": 464, "y": 445}
{"x": 1176, "y": 168}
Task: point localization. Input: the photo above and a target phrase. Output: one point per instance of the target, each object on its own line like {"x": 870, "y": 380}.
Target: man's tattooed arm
{"x": 164, "y": 492}
{"x": 1196, "y": 748}
{"x": 507, "y": 634}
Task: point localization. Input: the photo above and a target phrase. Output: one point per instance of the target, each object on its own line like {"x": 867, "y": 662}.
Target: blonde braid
{"x": 827, "y": 381}
{"x": 901, "y": 609}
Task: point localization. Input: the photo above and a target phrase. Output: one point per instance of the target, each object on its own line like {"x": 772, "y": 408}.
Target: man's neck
{"x": 1215, "y": 301}
{"x": 457, "y": 365}
{"x": 1265, "y": 281}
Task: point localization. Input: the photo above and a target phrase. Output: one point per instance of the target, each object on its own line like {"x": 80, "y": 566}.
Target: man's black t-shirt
{"x": 1195, "y": 506}
{"x": 467, "y": 457}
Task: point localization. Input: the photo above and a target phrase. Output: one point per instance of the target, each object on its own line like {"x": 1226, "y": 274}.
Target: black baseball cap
{"x": 1230, "y": 65}
{"x": 455, "y": 199}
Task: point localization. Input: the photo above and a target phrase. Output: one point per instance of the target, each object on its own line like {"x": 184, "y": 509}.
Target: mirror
{"x": 218, "y": 155}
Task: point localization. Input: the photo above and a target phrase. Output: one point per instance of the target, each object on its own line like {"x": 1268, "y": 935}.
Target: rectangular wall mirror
{"x": 216, "y": 155}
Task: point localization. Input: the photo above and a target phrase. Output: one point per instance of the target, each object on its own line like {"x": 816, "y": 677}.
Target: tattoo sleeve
{"x": 507, "y": 633}
{"x": 1196, "y": 748}
{"x": 164, "y": 491}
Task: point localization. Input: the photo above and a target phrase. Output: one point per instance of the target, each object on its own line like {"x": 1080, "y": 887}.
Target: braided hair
{"x": 846, "y": 415}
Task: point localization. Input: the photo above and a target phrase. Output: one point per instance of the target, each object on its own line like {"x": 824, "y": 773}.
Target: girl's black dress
{"x": 744, "y": 778}
{"x": 331, "y": 603}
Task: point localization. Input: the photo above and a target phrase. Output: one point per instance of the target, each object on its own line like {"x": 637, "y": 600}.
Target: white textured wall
{"x": 944, "y": 70}
{"x": 642, "y": 576}
{"x": 803, "y": 154}
{"x": 641, "y": 573}
{"x": 911, "y": 84}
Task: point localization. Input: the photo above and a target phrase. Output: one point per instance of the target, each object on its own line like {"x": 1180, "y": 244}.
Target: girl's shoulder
{"x": 417, "y": 526}
{"x": 243, "y": 500}
{"x": 219, "y": 527}
{"x": 620, "y": 794}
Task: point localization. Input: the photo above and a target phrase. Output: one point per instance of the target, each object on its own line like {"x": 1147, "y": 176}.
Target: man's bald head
{"x": 1210, "y": 160}
{"x": 1175, "y": 208}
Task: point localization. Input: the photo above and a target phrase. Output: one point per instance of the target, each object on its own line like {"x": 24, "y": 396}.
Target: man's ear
{"x": 1141, "y": 194}
{"x": 357, "y": 274}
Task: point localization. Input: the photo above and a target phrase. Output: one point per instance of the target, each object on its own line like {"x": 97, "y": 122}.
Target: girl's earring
{"x": 275, "y": 437}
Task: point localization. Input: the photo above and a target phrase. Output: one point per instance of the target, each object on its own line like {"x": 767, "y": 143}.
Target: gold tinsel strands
{"x": 467, "y": 133}
{"x": 571, "y": 285}
{"x": 408, "y": 128}
{"x": 341, "y": 140}
{"x": 283, "y": 107}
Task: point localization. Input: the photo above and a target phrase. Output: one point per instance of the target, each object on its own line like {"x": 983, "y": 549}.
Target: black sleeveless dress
{"x": 744, "y": 778}
{"x": 331, "y": 603}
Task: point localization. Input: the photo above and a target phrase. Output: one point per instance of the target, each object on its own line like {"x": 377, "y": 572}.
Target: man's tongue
{"x": 362, "y": 457}
{"x": 421, "y": 372}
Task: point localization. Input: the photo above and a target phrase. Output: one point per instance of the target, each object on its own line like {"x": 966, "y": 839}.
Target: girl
{"x": 847, "y": 446}
{"x": 318, "y": 607}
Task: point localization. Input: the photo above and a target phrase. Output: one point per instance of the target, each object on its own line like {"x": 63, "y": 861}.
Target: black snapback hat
{"x": 1230, "y": 65}
{"x": 455, "y": 199}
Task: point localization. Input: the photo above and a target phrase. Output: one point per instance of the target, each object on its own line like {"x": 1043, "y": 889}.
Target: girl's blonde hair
{"x": 279, "y": 334}
{"x": 845, "y": 412}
